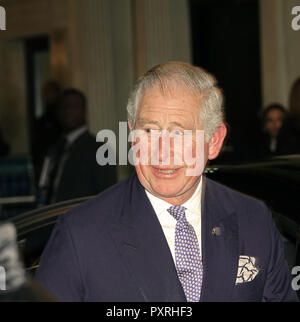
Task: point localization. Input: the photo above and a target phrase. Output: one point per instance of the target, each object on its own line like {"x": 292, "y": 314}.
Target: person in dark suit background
{"x": 70, "y": 169}
{"x": 164, "y": 234}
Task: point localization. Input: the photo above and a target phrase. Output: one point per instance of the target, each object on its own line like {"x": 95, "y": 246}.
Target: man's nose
{"x": 164, "y": 148}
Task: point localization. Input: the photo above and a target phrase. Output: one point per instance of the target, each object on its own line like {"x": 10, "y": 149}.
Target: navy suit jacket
{"x": 113, "y": 248}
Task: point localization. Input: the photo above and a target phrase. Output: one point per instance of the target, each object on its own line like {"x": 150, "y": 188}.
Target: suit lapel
{"x": 144, "y": 249}
{"x": 219, "y": 245}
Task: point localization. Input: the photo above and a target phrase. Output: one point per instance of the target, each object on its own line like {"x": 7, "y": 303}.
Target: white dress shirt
{"x": 168, "y": 222}
{"x": 75, "y": 134}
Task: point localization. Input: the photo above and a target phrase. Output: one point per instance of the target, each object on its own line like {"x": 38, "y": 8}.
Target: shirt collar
{"x": 72, "y": 136}
{"x": 194, "y": 203}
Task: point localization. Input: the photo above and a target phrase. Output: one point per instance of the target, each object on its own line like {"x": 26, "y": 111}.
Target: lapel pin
{"x": 216, "y": 231}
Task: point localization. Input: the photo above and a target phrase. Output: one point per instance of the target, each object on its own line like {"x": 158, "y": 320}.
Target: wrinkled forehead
{"x": 170, "y": 88}
{"x": 172, "y": 102}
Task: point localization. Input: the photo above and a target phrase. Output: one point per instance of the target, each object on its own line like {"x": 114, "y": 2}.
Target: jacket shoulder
{"x": 101, "y": 209}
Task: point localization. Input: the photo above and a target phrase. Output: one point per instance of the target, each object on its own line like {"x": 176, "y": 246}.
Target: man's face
{"x": 50, "y": 95}
{"x": 72, "y": 114}
{"x": 175, "y": 111}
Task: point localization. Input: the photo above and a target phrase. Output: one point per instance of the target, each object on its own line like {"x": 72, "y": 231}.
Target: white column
{"x": 13, "y": 111}
{"x": 101, "y": 60}
{"x": 92, "y": 60}
{"x": 162, "y": 32}
{"x": 280, "y": 50}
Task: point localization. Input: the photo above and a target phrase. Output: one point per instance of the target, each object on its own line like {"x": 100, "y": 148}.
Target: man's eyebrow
{"x": 142, "y": 121}
{"x": 177, "y": 124}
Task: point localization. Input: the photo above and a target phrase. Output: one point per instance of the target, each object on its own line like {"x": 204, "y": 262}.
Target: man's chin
{"x": 170, "y": 192}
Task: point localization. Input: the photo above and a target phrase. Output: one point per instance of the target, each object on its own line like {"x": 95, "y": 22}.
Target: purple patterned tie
{"x": 187, "y": 255}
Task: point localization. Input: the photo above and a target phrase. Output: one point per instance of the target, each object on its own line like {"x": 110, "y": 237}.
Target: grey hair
{"x": 192, "y": 78}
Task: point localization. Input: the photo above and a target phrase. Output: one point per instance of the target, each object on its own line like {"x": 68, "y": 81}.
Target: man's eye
{"x": 148, "y": 130}
{"x": 178, "y": 132}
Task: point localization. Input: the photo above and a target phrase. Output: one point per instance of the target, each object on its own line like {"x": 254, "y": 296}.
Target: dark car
{"x": 34, "y": 229}
{"x": 275, "y": 181}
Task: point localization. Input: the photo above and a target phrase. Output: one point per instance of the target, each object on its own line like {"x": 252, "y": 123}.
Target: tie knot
{"x": 178, "y": 212}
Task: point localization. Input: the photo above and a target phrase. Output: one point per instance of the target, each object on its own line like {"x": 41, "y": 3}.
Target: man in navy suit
{"x": 167, "y": 233}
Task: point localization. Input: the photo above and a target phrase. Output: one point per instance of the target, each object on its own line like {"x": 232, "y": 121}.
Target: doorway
{"x": 38, "y": 71}
{"x": 226, "y": 42}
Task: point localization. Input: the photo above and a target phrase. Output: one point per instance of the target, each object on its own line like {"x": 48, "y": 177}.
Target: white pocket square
{"x": 247, "y": 269}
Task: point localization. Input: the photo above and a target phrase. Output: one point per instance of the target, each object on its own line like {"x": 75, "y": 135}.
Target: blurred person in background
{"x": 275, "y": 137}
{"x": 70, "y": 169}
{"x": 47, "y": 128}
{"x": 266, "y": 139}
{"x": 270, "y": 143}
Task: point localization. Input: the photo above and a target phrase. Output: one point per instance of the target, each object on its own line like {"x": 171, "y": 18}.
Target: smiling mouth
{"x": 166, "y": 172}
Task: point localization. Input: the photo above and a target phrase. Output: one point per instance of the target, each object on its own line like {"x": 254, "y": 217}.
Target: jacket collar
{"x": 219, "y": 244}
{"x": 144, "y": 249}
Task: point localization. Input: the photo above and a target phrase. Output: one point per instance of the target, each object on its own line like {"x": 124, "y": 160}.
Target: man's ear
{"x": 131, "y": 129}
{"x": 216, "y": 142}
